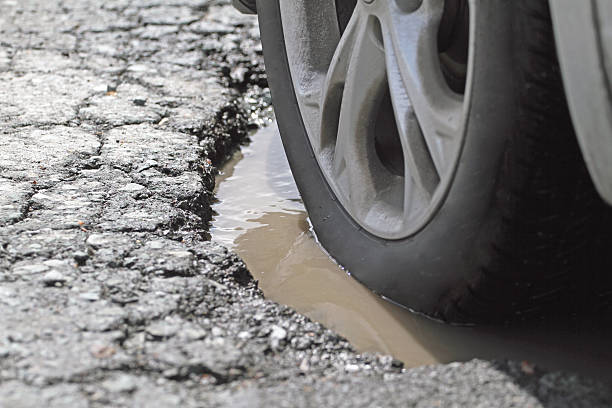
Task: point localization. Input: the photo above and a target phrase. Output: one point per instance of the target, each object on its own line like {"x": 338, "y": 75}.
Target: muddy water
{"x": 261, "y": 217}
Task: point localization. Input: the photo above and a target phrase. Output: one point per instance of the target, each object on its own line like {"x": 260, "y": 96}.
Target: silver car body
{"x": 583, "y": 30}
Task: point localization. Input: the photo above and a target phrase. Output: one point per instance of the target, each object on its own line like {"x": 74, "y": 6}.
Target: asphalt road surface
{"x": 114, "y": 116}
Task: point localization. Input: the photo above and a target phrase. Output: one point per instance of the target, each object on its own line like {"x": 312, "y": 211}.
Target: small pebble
{"x": 91, "y": 296}
{"x": 121, "y": 383}
{"x": 97, "y": 241}
{"x": 278, "y": 333}
{"x": 80, "y": 257}
{"x": 53, "y": 278}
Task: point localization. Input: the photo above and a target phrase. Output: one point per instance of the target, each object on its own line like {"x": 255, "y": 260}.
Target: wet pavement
{"x": 114, "y": 117}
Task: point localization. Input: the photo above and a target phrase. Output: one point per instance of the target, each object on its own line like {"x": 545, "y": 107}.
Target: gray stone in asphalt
{"x": 121, "y": 383}
{"x": 54, "y": 278}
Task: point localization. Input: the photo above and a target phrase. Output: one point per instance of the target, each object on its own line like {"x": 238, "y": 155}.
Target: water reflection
{"x": 261, "y": 217}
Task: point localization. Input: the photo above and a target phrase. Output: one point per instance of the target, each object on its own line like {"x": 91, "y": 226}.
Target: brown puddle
{"x": 261, "y": 217}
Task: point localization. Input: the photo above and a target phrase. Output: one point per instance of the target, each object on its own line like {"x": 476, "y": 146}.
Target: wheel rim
{"x": 384, "y": 102}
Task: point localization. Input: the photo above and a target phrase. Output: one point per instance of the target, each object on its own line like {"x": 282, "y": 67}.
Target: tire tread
{"x": 550, "y": 220}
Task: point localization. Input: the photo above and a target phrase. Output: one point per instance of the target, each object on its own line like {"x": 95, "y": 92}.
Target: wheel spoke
{"x": 421, "y": 175}
{"x": 415, "y": 79}
{"x": 354, "y": 86}
{"x": 333, "y": 87}
{"x": 314, "y": 58}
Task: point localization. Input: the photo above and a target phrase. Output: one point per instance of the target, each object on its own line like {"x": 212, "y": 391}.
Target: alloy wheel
{"x": 384, "y": 97}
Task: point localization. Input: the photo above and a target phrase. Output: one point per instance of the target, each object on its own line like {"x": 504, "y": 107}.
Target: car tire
{"x": 519, "y": 231}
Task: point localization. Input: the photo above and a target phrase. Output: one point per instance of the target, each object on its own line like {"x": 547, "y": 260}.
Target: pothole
{"x": 261, "y": 217}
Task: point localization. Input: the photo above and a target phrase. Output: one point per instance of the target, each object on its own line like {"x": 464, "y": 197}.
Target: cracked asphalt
{"x": 114, "y": 116}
